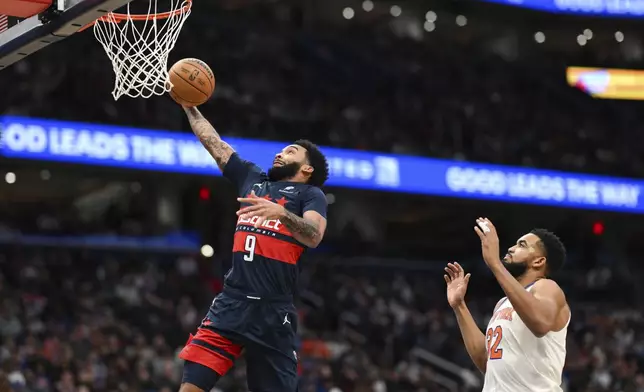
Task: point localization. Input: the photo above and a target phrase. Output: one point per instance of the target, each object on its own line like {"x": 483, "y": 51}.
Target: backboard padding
{"x": 39, "y": 31}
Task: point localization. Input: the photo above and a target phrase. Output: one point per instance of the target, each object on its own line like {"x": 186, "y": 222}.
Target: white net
{"x": 139, "y": 46}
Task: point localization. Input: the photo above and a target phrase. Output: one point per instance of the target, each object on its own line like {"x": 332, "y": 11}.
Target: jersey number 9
{"x": 249, "y": 246}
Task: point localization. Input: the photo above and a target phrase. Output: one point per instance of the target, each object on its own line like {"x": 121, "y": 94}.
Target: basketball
{"x": 192, "y": 82}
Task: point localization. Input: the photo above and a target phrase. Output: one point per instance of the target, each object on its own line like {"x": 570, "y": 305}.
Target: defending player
{"x": 524, "y": 347}
{"x": 283, "y": 213}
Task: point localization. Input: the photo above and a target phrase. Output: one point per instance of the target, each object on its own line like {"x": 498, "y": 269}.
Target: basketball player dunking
{"x": 524, "y": 347}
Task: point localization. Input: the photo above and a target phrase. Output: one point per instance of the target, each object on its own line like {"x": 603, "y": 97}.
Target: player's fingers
{"x": 467, "y": 278}
{"x": 249, "y": 209}
{"x": 454, "y": 269}
{"x": 458, "y": 267}
{"x": 260, "y": 221}
{"x": 449, "y": 272}
{"x": 447, "y": 279}
{"x": 479, "y": 232}
{"x": 484, "y": 225}
{"x": 252, "y": 213}
{"x": 249, "y": 200}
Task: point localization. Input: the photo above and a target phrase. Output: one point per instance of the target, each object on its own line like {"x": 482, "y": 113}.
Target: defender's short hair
{"x": 553, "y": 249}
{"x": 317, "y": 160}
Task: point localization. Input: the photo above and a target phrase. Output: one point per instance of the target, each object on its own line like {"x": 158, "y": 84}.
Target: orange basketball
{"x": 192, "y": 82}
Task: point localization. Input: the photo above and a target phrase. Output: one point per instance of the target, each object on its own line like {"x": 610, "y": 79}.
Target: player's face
{"x": 522, "y": 255}
{"x": 290, "y": 154}
{"x": 288, "y": 163}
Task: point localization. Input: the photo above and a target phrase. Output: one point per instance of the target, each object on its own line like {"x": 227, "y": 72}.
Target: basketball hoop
{"x": 139, "y": 51}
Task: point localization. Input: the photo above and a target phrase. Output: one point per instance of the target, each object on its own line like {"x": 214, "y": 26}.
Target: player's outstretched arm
{"x": 219, "y": 149}
{"x": 473, "y": 338}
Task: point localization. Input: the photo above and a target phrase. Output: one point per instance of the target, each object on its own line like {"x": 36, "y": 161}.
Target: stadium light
{"x": 348, "y": 13}
{"x": 395, "y": 11}
{"x": 540, "y": 37}
{"x": 207, "y": 251}
{"x": 45, "y": 175}
{"x": 588, "y": 33}
{"x": 431, "y": 16}
{"x": 367, "y": 5}
{"x": 461, "y": 20}
{"x": 10, "y": 178}
{"x": 581, "y": 40}
{"x": 429, "y": 26}
{"x": 619, "y": 36}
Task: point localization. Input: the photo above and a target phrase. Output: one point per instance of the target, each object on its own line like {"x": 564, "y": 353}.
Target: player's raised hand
{"x": 260, "y": 207}
{"x": 489, "y": 240}
{"x": 457, "y": 281}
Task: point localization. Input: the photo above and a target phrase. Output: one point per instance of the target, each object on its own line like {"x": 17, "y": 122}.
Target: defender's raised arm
{"x": 474, "y": 339}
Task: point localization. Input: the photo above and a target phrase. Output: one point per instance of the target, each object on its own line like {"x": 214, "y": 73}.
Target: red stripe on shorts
{"x": 206, "y": 357}
{"x": 216, "y": 340}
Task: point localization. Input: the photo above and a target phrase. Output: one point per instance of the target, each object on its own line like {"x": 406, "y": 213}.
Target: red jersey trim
{"x": 267, "y": 246}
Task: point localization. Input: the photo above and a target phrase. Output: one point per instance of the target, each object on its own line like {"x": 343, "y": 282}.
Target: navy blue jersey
{"x": 265, "y": 258}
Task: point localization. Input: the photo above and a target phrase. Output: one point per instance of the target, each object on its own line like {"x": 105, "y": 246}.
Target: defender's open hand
{"x": 489, "y": 240}
{"x": 457, "y": 281}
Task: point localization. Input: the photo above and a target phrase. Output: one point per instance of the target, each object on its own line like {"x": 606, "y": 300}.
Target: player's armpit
{"x": 537, "y": 313}
{"x": 552, "y": 301}
{"x": 309, "y": 230}
{"x": 218, "y": 149}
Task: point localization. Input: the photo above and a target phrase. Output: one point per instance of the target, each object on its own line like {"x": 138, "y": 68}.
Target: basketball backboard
{"x": 60, "y": 20}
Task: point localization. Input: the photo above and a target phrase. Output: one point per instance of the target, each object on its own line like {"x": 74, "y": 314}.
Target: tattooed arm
{"x": 309, "y": 230}
{"x": 219, "y": 149}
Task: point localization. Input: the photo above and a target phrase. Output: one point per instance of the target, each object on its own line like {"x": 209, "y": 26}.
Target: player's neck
{"x": 528, "y": 279}
{"x": 296, "y": 178}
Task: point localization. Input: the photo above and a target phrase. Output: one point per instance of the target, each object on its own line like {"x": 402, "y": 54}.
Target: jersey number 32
{"x": 493, "y": 338}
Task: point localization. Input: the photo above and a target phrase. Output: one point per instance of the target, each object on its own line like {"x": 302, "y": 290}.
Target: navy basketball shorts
{"x": 264, "y": 329}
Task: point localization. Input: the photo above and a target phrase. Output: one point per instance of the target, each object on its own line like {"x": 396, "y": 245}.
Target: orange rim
{"x": 118, "y": 18}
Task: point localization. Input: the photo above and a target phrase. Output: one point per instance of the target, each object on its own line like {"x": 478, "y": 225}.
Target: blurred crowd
{"x": 79, "y": 320}
{"x": 353, "y": 85}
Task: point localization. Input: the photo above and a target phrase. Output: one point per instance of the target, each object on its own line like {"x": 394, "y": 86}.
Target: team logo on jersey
{"x": 286, "y": 320}
{"x": 288, "y": 189}
{"x": 295, "y": 355}
{"x": 503, "y": 314}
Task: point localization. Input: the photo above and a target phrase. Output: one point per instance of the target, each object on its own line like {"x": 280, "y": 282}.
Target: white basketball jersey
{"x": 518, "y": 361}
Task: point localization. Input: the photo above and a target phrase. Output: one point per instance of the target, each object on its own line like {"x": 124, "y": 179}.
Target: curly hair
{"x": 553, "y": 249}
{"x": 317, "y": 160}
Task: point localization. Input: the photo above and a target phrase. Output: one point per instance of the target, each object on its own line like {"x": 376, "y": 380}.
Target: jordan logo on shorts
{"x": 286, "y": 320}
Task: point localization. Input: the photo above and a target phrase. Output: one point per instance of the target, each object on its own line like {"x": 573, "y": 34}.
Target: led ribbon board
{"x": 131, "y": 148}
{"x": 606, "y": 8}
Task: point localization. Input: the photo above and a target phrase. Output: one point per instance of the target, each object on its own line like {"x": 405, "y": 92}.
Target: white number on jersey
{"x": 249, "y": 246}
